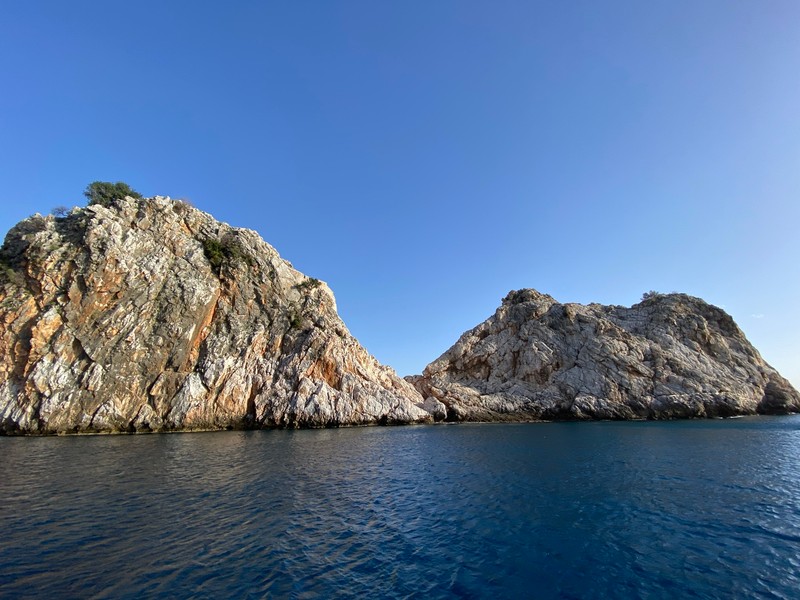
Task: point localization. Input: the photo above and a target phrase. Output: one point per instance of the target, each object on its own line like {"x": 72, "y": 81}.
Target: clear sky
{"x": 426, "y": 157}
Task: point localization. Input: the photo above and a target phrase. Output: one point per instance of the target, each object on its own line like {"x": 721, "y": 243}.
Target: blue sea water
{"x": 689, "y": 509}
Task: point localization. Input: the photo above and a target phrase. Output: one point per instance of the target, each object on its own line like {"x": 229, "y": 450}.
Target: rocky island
{"x": 149, "y": 315}
{"x": 670, "y": 356}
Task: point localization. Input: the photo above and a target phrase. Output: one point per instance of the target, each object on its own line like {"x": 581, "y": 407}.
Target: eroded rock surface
{"x": 670, "y": 356}
{"x": 150, "y": 314}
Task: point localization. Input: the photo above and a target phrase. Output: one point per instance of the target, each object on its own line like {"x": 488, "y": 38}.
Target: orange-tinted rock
{"x": 149, "y": 314}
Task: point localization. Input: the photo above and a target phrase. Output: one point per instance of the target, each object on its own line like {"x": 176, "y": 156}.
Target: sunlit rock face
{"x": 670, "y": 356}
{"x": 151, "y": 315}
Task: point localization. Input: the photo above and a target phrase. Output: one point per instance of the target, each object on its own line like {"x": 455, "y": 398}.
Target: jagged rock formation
{"x": 670, "y": 356}
{"x": 149, "y": 314}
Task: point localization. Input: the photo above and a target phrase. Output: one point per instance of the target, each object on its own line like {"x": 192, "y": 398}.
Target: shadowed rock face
{"x": 149, "y": 314}
{"x": 670, "y": 356}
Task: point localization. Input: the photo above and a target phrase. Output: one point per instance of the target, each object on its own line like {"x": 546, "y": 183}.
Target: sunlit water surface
{"x": 703, "y": 509}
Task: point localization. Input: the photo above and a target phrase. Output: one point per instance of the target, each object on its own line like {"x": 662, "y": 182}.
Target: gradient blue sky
{"x": 424, "y": 158}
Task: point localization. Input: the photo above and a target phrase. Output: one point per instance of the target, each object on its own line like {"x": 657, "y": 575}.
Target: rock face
{"x": 151, "y": 315}
{"x": 670, "y": 356}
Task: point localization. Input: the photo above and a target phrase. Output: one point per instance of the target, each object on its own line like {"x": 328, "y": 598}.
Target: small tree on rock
{"x": 104, "y": 192}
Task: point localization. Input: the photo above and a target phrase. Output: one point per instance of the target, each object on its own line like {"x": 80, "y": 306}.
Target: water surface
{"x": 693, "y": 509}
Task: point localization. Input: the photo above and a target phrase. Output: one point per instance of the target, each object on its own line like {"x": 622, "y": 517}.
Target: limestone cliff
{"x": 670, "y": 356}
{"x": 149, "y": 314}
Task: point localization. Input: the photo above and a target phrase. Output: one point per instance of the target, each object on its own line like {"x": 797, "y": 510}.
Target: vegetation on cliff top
{"x": 104, "y": 192}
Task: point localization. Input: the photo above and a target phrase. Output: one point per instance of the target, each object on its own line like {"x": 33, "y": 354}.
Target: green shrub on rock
{"x": 229, "y": 248}
{"x": 214, "y": 252}
{"x": 104, "y": 192}
{"x": 309, "y": 284}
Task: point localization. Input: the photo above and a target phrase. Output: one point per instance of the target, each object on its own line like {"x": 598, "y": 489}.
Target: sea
{"x": 680, "y": 509}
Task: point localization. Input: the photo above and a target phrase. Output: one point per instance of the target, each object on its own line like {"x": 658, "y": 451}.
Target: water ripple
{"x": 594, "y": 510}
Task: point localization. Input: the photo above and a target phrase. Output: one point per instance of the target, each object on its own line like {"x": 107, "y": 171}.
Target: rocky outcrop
{"x": 670, "y": 356}
{"x": 151, "y": 315}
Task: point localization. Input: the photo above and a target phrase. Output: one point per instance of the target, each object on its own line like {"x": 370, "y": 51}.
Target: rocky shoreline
{"x": 149, "y": 315}
{"x": 670, "y": 356}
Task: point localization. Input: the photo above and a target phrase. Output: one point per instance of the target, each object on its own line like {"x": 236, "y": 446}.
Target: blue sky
{"x": 424, "y": 158}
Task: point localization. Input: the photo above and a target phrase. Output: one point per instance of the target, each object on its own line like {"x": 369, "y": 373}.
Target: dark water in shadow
{"x": 699, "y": 509}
